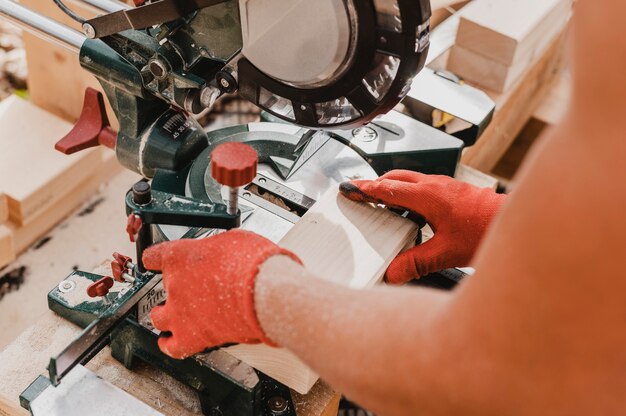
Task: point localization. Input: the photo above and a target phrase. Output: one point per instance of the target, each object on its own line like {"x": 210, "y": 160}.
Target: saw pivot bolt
{"x": 100, "y": 288}
{"x": 233, "y": 165}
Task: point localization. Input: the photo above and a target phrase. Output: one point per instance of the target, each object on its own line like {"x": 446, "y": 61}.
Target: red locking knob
{"x": 118, "y": 271}
{"x": 100, "y": 288}
{"x": 133, "y": 225}
{"x": 234, "y": 164}
{"x": 92, "y": 128}
{"x": 122, "y": 259}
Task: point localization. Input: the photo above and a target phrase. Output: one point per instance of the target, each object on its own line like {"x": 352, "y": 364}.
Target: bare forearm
{"x": 370, "y": 344}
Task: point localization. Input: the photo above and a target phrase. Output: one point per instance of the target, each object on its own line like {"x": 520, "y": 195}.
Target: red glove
{"x": 210, "y": 290}
{"x": 459, "y": 214}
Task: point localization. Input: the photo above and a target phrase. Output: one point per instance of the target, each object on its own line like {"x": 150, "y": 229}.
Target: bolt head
{"x": 158, "y": 68}
{"x": 278, "y": 405}
{"x": 89, "y": 30}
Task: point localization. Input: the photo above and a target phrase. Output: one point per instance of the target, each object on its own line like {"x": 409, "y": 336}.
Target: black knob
{"x": 142, "y": 193}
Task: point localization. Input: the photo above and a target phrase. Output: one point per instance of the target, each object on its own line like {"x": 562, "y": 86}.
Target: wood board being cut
{"x": 345, "y": 242}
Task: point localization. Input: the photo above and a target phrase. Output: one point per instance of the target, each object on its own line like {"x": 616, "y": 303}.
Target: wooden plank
{"x": 345, "y": 242}
{"x": 556, "y": 103}
{"x": 515, "y": 107}
{"x": 475, "y": 177}
{"x": 4, "y": 208}
{"x": 62, "y": 204}
{"x": 7, "y": 248}
{"x": 511, "y": 161}
{"x": 442, "y": 10}
{"x": 26, "y": 358}
{"x": 482, "y": 71}
{"x": 56, "y": 81}
{"x": 511, "y": 31}
{"x": 32, "y": 173}
{"x": 477, "y": 57}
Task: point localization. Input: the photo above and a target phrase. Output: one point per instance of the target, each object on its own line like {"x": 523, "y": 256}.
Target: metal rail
{"x": 42, "y": 25}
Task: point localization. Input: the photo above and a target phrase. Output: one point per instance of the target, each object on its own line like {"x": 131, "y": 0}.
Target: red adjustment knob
{"x": 122, "y": 260}
{"x": 139, "y": 2}
{"x": 234, "y": 164}
{"x": 118, "y": 271}
{"x": 133, "y": 225}
{"x": 91, "y": 129}
{"x": 100, "y": 288}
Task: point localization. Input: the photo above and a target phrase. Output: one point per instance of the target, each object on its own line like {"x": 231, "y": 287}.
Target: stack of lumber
{"x": 39, "y": 186}
{"x": 498, "y": 32}
{"x": 498, "y": 40}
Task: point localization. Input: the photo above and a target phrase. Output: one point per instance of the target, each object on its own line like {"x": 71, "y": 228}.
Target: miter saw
{"x": 327, "y": 74}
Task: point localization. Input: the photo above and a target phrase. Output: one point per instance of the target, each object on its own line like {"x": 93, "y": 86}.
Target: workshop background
{"x": 57, "y": 212}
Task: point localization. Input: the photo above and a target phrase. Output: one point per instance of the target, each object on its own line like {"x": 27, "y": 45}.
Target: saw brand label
{"x": 153, "y": 298}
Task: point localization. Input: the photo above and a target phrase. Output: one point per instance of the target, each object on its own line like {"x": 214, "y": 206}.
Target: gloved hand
{"x": 210, "y": 290}
{"x": 458, "y": 213}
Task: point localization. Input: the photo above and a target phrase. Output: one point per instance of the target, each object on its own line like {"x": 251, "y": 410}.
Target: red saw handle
{"x": 92, "y": 128}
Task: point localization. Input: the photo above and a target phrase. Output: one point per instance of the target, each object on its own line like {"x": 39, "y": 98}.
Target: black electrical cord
{"x": 69, "y": 12}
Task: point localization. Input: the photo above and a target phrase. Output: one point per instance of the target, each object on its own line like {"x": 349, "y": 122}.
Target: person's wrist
{"x": 272, "y": 280}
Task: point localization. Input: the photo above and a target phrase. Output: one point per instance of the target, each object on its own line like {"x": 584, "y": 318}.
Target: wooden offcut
{"x": 511, "y": 31}
{"x": 32, "y": 173}
{"x": 4, "y": 208}
{"x": 7, "y": 249}
{"x": 498, "y": 40}
{"x": 515, "y": 107}
{"x": 348, "y": 243}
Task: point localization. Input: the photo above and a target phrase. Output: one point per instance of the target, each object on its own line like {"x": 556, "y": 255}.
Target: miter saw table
{"x": 160, "y": 65}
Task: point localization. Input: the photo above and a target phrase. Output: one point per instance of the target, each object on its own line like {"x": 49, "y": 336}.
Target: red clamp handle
{"x": 133, "y": 225}
{"x": 92, "y": 128}
{"x": 118, "y": 271}
{"x": 234, "y": 164}
{"x": 100, "y": 288}
{"x": 122, "y": 259}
